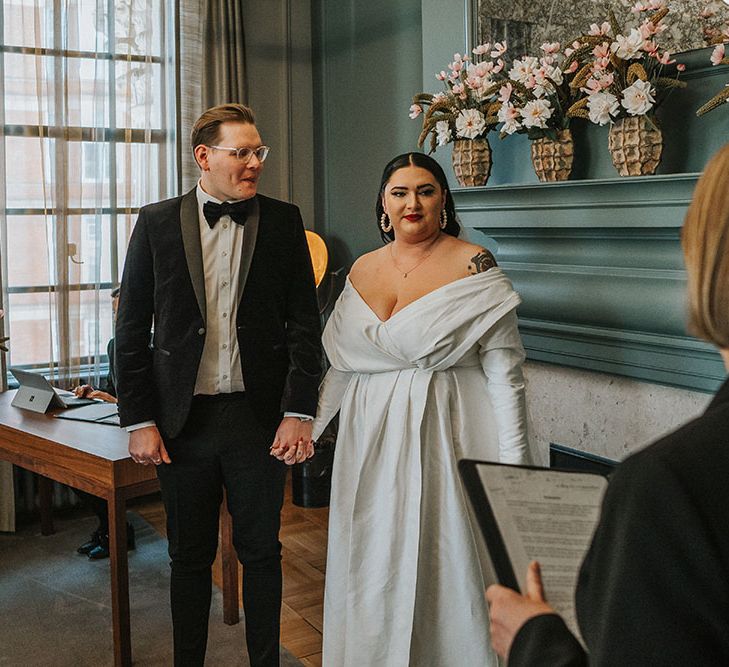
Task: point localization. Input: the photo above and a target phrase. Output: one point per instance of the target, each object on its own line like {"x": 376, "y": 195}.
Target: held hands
{"x": 509, "y": 610}
{"x": 293, "y": 443}
{"x": 87, "y": 391}
{"x": 146, "y": 446}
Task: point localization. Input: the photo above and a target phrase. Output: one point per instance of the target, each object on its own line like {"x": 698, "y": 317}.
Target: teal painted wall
{"x": 367, "y": 65}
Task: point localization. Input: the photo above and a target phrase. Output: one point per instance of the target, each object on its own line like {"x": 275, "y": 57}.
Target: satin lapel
{"x": 190, "y": 227}
{"x": 249, "y": 245}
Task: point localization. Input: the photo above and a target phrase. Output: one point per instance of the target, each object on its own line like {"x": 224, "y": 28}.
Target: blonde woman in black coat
{"x": 654, "y": 587}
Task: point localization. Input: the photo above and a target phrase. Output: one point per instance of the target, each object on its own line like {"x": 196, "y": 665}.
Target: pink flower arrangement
{"x": 625, "y": 75}
{"x": 466, "y": 109}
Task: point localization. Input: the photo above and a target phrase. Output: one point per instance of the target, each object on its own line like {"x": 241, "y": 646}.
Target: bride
{"x": 425, "y": 369}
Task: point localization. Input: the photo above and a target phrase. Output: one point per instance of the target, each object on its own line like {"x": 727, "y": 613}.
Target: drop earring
{"x": 385, "y": 224}
{"x": 443, "y": 218}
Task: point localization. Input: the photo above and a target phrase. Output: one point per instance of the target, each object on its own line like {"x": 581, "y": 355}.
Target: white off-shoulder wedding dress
{"x": 438, "y": 381}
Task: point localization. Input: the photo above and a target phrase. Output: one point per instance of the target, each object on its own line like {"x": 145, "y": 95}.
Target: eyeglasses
{"x": 245, "y": 154}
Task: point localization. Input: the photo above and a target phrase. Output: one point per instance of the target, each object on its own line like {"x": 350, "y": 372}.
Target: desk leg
{"x": 45, "y": 498}
{"x": 230, "y": 568}
{"x": 119, "y": 581}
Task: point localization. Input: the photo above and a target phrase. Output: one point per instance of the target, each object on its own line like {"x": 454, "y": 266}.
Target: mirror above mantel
{"x": 526, "y": 24}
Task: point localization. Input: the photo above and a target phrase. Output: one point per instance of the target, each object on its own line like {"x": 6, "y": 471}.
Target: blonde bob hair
{"x": 705, "y": 240}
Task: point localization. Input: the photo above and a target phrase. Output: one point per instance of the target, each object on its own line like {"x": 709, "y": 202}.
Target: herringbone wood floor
{"x": 304, "y": 539}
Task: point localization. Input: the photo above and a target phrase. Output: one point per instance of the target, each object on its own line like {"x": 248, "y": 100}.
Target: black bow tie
{"x": 238, "y": 211}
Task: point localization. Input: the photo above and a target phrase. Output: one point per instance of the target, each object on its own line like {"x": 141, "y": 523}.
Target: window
{"x": 87, "y": 122}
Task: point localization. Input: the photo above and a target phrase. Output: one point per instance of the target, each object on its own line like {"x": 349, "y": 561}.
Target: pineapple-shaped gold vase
{"x": 635, "y": 146}
{"x": 472, "y": 161}
{"x": 552, "y": 159}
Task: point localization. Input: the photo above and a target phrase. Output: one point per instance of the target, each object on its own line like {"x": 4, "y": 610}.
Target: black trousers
{"x": 223, "y": 446}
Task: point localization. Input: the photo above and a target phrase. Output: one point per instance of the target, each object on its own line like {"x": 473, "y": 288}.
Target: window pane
{"x": 25, "y": 159}
{"x": 88, "y": 28}
{"x": 139, "y": 101}
{"x": 138, "y": 30}
{"x": 22, "y": 91}
{"x": 91, "y": 236}
{"x": 31, "y": 335}
{"x": 28, "y": 328}
{"x": 86, "y": 82}
{"x": 139, "y": 174}
{"x": 87, "y": 94}
{"x": 28, "y": 24}
{"x": 88, "y": 169}
{"x": 95, "y": 322}
{"x": 28, "y": 261}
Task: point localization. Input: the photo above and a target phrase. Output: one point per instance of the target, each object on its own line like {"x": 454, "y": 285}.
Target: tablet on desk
{"x": 37, "y": 394}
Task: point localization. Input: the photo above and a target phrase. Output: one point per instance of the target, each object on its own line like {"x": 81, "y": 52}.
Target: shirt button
{"x": 225, "y": 377}
{"x": 225, "y": 346}
{"x": 224, "y": 283}
{"x": 201, "y": 331}
{"x": 225, "y": 314}
{"x": 225, "y": 254}
{"x": 225, "y": 225}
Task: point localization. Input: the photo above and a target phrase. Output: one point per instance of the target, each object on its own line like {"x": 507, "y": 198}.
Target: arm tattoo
{"x": 481, "y": 262}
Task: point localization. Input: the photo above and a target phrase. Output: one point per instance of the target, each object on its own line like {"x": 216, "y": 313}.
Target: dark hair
{"x": 425, "y": 162}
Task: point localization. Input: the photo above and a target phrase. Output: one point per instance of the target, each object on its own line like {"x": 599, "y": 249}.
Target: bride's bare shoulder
{"x": 367, "y": 264}
{"x": 472, "y": 258}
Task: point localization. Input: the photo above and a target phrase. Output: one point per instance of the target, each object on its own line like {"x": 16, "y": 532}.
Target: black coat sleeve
{"x": 546, "y": 640}
{"x": 303, "y": 331}
{"x": 133, "y": 358}
{"x": 654, "y": 588}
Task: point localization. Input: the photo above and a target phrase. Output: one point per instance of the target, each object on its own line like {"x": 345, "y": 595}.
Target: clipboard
{"x": 527, "y": 513}
{"x": 99, "y": 413}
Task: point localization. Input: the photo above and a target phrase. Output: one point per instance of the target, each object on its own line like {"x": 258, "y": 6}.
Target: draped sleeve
{"x": 502, "y": 354}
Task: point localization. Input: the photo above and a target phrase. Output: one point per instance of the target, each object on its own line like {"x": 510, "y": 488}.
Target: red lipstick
{"x": 413, "y": 217}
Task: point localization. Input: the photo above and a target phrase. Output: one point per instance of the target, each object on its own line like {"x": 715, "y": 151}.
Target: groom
{"x": 224, "y": 278}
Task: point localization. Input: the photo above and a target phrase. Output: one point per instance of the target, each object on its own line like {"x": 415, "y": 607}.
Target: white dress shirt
{"x": 220, "y": 370}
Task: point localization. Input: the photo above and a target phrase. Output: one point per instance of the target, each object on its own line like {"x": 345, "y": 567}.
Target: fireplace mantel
{"x": 598, "y": 264}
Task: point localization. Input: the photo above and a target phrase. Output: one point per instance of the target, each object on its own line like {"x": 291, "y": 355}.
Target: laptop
{"x": 37, "y": 394}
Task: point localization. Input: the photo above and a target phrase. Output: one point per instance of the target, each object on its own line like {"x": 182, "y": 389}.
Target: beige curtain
{"x": 88, "y": 92}
{"x": 213, "y": 28}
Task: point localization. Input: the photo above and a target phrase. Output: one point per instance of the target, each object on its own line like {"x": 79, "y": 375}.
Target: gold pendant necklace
{"x": 412, "y": 268}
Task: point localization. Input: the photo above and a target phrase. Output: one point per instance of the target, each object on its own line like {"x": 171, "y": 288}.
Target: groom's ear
{"x": 201, "y": 154}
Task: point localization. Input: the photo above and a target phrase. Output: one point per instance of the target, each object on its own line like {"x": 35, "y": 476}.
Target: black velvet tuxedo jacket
{"x": 163, "y": 288}
{"x": 654, "y": 587}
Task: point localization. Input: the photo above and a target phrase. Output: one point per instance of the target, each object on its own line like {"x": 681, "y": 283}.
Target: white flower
{"x": 505, "y": 93}
{"x": 509, "y": 115}
{"x": 536, "y": 113}
{"x": 470, "y": 123}
{"x": 717, "y": 55}
{"x": 415, "y": 110}
{"x": 628, "y": 47}
{"x": 523, "y": 69}
{"x": 498, "y": 50}
{"x": 550, "y": 47}
{"x": 541, "y": 75}
{"x": 442, "y": 132}
{"x": 603, "y": 29}
{"x": 638, "y": 99}
{"x": 601, "y": 106}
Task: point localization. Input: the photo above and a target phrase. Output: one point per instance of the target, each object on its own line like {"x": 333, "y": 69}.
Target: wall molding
{"x": 599, "y": 266}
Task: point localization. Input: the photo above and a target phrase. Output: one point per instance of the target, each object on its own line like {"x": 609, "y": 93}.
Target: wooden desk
{"x": 94, "y": 458}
